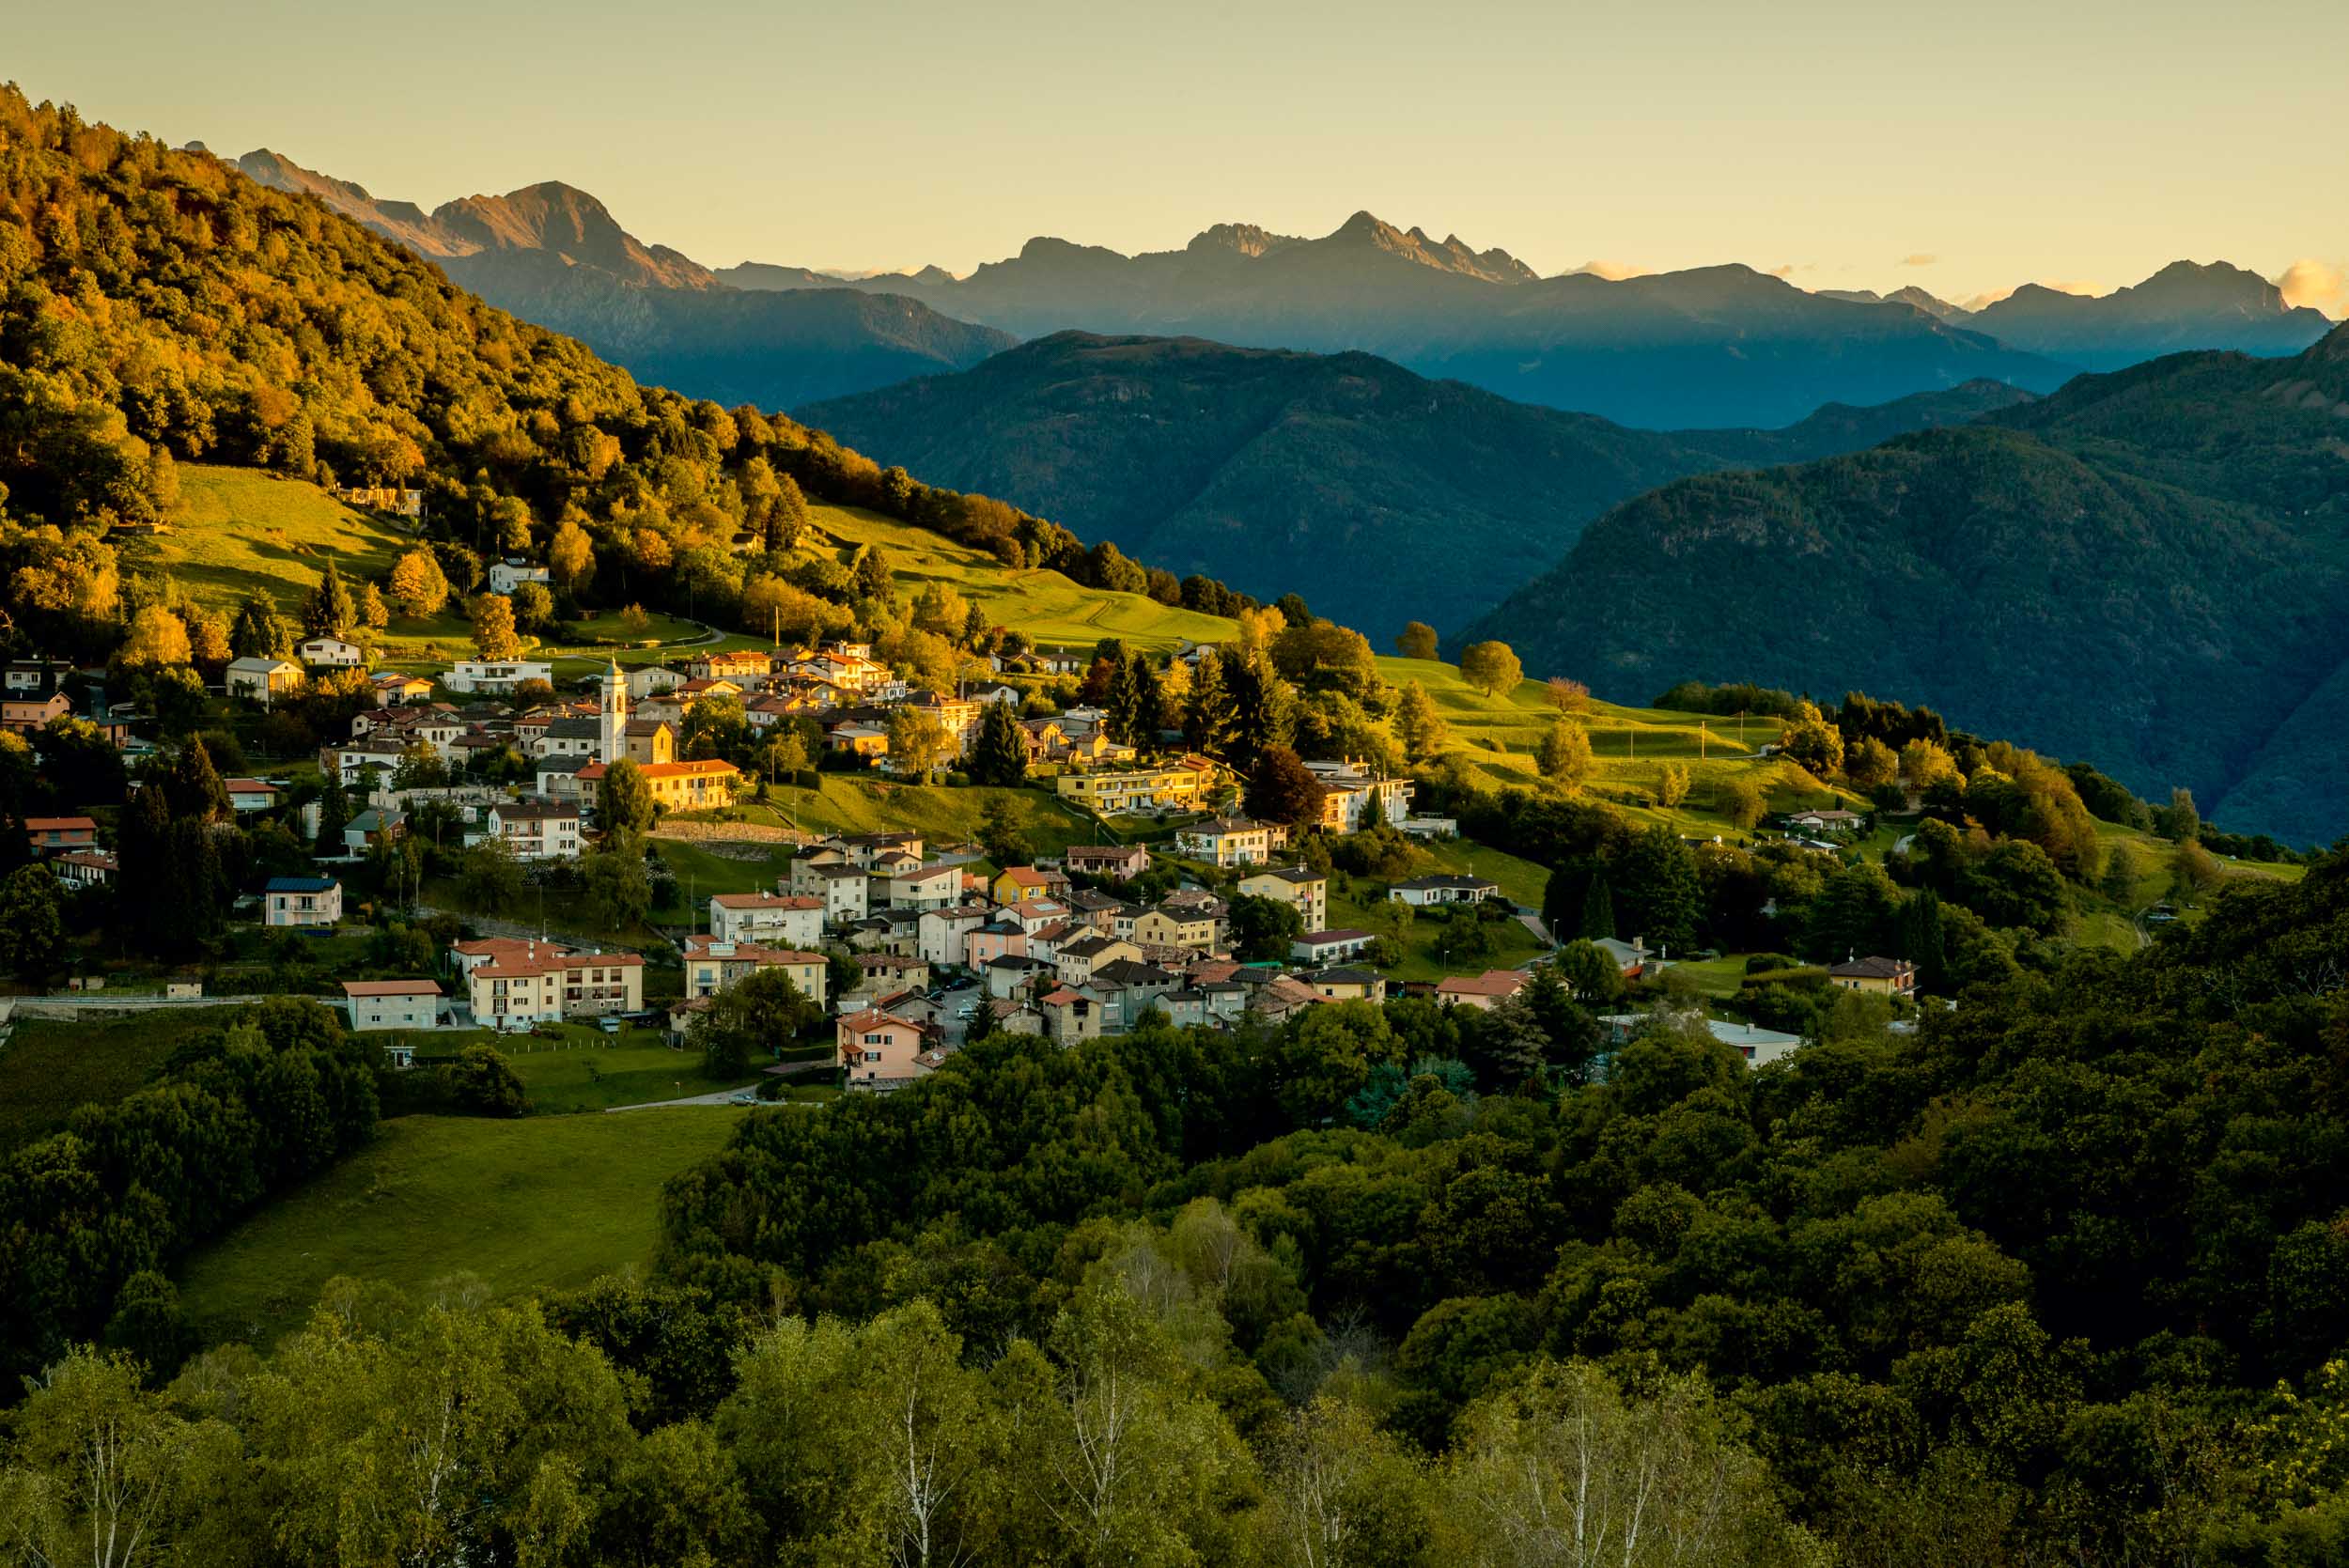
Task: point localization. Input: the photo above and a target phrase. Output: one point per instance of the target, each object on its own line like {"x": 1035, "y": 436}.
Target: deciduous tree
{"x": 1491, "y": 667}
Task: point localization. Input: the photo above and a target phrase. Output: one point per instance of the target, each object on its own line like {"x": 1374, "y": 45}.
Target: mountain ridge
{"x": 1260, "y": 466}
{"x": 2145, "y": 567}
{"x": 555, "y": 255}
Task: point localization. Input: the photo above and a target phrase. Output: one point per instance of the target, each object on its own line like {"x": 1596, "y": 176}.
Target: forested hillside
{"x": 2146, "y": 568}
{"x": 156, "y": 306}
{"x": 1397, "y": 498}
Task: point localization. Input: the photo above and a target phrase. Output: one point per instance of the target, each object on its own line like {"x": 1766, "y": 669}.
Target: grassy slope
{"x": 546, "y": 1202}
{"x": 244, "y": 530}
{"x": 50, "y": 1066}
{"x": 1046, "y": 605}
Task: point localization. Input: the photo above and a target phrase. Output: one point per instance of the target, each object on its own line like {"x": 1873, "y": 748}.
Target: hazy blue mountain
{"x": 555, "y": 255}
{"x": 1717, "y": 345}
{"x": 2184, "y": 305}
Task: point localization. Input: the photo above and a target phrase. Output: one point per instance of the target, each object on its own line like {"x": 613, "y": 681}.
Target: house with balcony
{"x": 301, "y": 901}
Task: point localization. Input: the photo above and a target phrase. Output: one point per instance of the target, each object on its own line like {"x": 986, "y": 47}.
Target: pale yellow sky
{"x": 1853, "y": 144}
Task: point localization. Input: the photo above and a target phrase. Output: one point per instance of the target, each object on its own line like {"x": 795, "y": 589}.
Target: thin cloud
{"x": 1918, "y": 258}
{"x": 1788, "y": 271}
{"x": 1613, "y": 271}
{"x": 2322, "y": 284}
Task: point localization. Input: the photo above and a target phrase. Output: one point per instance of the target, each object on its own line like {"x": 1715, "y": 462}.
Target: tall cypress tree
{"x": 1598, "y": 909}
{"x": 1926, "y": 943}
{"x": 999, "y": 755}
{"x": 1149, "y": 703}
{"x": 329, "y": 610}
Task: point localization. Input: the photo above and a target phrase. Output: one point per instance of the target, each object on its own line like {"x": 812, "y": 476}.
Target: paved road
{"x": 717, "y": 1097}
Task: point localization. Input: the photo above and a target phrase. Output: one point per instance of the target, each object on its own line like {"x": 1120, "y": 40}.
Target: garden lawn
{"x": 540, "y": 1203}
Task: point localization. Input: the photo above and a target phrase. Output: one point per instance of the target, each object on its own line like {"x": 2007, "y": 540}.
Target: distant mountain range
{"x": 1719, "y": 346}
{"x": 553, "y": 255}
{"x": 2148, "y": 568}
{"x": 1393, "y": 497}
{"x": 1715, "y": 347}
{"x": 2185, "y": 305}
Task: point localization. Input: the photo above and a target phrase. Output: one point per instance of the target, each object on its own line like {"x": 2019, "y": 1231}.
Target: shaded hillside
{"x": 1388, "y": 497}
{"x": 2148, "y": 568}
{"x": 1717, "y": 346}
{"x": 555, "y": 255}
{"x": 2184, "y": 306}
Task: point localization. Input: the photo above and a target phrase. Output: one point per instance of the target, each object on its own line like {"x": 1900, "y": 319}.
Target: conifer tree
{"x": 329, "y": 610}
{"x": 999, "y": 755}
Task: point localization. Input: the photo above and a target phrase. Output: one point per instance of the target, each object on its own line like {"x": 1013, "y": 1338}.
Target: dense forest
{"x": 2144, "y": 568}
{"x": 2061, "y": 1276}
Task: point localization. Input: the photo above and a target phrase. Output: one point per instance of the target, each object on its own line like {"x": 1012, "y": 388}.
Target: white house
{"x": 332, "y": 653}
{"x": 261, "y": 679}
{"x": 392, "y": 1003}
{"x": 847, "y": 892}
{"x": 652, "y": 680}
{"x": 495, "y": 676}
{"x": 511, "y": 573}
{"x": 301, "y": 901}
{"x": 537, "y": 829}
{"x": 1446, "y": 888}
{"x": 924, "y": 886}
{"x": 251, "y": 794}
{"x": 1331, "y": 947}
{"x": 940, "y": 932}
{"x": 777, "y": 920}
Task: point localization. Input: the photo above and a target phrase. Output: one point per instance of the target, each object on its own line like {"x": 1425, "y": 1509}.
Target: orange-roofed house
{"x": 675, "y": 786}
{"x": 877, "y": 1050}
{"x": 712, "y": 964}
{"x": 514, "y": 985}
{"x": 392, "y": 1003}
{"x": 1480, "y": 992}
{"x": 1018, "y": 884}
{"x": 47, "y": 834}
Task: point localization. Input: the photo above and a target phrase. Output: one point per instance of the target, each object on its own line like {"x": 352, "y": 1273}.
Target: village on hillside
{"x": 893, "y": 949}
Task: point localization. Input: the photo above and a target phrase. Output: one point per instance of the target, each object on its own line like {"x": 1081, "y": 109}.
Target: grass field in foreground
{"x": 544, "y": 1202}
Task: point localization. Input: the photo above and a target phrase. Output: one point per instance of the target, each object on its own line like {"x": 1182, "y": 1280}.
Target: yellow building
{"x": 675, "y": 786}
{"x": 1183, "y": 786}
{"x": 1019, "y": 884}
{"x": 1305, "y": 891}
{"x": 1162, "y": 929}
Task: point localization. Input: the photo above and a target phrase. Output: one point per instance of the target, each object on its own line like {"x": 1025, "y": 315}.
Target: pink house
{"x": 878, "y": 1051}
{"x": 998, "y": 938}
